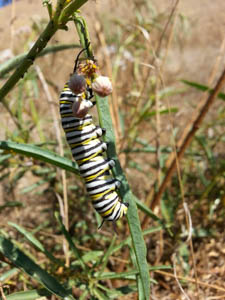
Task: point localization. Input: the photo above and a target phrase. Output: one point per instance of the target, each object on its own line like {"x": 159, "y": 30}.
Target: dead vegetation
{"x": 146, "y": 47}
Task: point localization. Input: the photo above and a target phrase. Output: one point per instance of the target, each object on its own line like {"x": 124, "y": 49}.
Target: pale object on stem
{"x": 102, "y": 86}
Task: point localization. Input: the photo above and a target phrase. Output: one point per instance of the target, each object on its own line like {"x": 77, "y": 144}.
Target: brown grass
{"x": 191, "y": 53}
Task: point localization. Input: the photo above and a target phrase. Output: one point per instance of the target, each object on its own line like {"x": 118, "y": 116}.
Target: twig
{"x": 176, "y": 278}
{"x": 194, "y": 127}
{"x": 213, "y": 286}
{"x": 2, "y": 292}
{"x": 158, "y": 49}
{"x": 17, "y": 123}
{"x": 61, "y": 152}
{"x": 159, "y": 68}
{"x": 59, "y": 21}
{"x": 29, "y": 59}
{"x": 158, "y": 129}
{"x": 202, "y": 99}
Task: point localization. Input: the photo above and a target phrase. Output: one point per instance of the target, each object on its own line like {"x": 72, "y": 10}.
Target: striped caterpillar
{"x": 88, "y": 150}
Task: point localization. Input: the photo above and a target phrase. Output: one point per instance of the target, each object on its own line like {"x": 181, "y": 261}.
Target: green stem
{"x": 59, "y": 21}
{"x": 126, "y": 194}
{"x": 83, "y": 33}
{"x": 59, "y": 7}
{"x": 29, "y": 59}
{"x": 70, "y": 9}
{"x": 125, "y": 191}
{"x": 12, "y": 63}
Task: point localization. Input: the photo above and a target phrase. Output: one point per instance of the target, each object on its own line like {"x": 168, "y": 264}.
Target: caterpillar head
{"x": 77, "y": 84}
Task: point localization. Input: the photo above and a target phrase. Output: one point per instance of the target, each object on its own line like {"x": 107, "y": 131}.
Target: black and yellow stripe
{"x": 87, "y": 149}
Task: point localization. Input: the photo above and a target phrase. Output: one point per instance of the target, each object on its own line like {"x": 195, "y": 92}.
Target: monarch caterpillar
{"x": 87, "y": 149}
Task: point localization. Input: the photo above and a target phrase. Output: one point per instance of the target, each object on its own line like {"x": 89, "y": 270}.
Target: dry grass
{"x": 195, "y": 44}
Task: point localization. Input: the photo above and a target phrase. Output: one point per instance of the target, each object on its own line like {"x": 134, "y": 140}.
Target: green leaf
{"x": 31, "y": 238}
{"x": 127, "y": 241}
{"x": 33, "y": 186}
{"x": 203, "y": 88}
{"x": 8, "y": 274}
{"x": 41, "y": 154}
{"x": 11, "y": 204}
{"x": 23, "y": 262}
{"x": 29, "y": 295}
{"x": 148, "y": 114}
{"x": 4, "y": 157}
{"x": 92, "y": 256}
{"x": 105, "y": 258}
{"x": 115, "y": 293}
{"x": 128, "y": 274}
{"x": 99, "y": 294}
{"x": 126, "y": 195}
{"x": 148, "y": 211}
{"x": 71, "y": 243}
{"x": 84, "y": 295}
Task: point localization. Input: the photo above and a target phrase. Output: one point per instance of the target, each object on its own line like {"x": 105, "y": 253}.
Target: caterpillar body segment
{"x": 88, "y": 150}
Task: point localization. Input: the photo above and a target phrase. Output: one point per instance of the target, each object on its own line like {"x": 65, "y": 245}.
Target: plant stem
{"x": 59, "y": 21}
{"x": 195, "y": 124}
{"x": 69, "y": 9}
{"x": 29, "y": 59}
{"x": 12, "y": 63}
{"x": 83, "y": 33}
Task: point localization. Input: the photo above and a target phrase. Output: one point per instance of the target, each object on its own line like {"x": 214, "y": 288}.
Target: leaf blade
{"x": 41, "y": 154}
{"x": 23, "y": 262}
{"x": 125, "y": 192}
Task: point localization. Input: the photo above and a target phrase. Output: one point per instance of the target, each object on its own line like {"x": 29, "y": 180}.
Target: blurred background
{"x": 147, "y": 48}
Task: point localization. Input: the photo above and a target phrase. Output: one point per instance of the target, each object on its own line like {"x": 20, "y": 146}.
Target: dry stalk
{"x": 195, "y": 123}
{"x": 213, "y": 286}
{"x": 61, "y": 152}
{"x": 2, "y": 293}
{"x": 202, "y": 100}
{"x": 173, "y": 13}
{"x": 176, "y": 278}
{"x": 156, "y": 53}
{"x": 172, "y": 156}
{"x": 12, "y": 31}
{"x": 159, "y": 68}
{"x": 158, "y": 129}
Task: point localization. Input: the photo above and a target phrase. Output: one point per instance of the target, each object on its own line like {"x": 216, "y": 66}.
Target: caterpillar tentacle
{"x": 88, "y": 150}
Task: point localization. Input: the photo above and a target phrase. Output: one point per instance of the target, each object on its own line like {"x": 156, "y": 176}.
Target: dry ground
{"x": 192, "y": 55}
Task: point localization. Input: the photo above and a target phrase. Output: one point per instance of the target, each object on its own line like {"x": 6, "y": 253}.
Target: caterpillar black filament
{"x": 87, "y": 149}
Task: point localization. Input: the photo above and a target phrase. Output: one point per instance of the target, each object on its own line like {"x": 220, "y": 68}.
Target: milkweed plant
{"x": 85, "y": 274}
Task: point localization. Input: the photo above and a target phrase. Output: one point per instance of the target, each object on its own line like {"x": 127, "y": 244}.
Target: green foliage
{"x": 34, "y": 243}
{"x": 40, "y": 154}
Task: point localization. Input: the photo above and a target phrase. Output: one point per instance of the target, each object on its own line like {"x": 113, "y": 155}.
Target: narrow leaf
{"x": 105, "y": 258}
{"x": 29, "y": 295}
{"x": 128, "y": 274}
{"x": 31, "y": 238}
{"x": 127, "y": 241}
{"x": 71, "y": 243}
{"x": 126, "y": 195}
{"x": 40, "y": 154}
{"x": 23, "y": 262}
{"x": 8, "y": 274}
{"x": 203, "y": 88}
